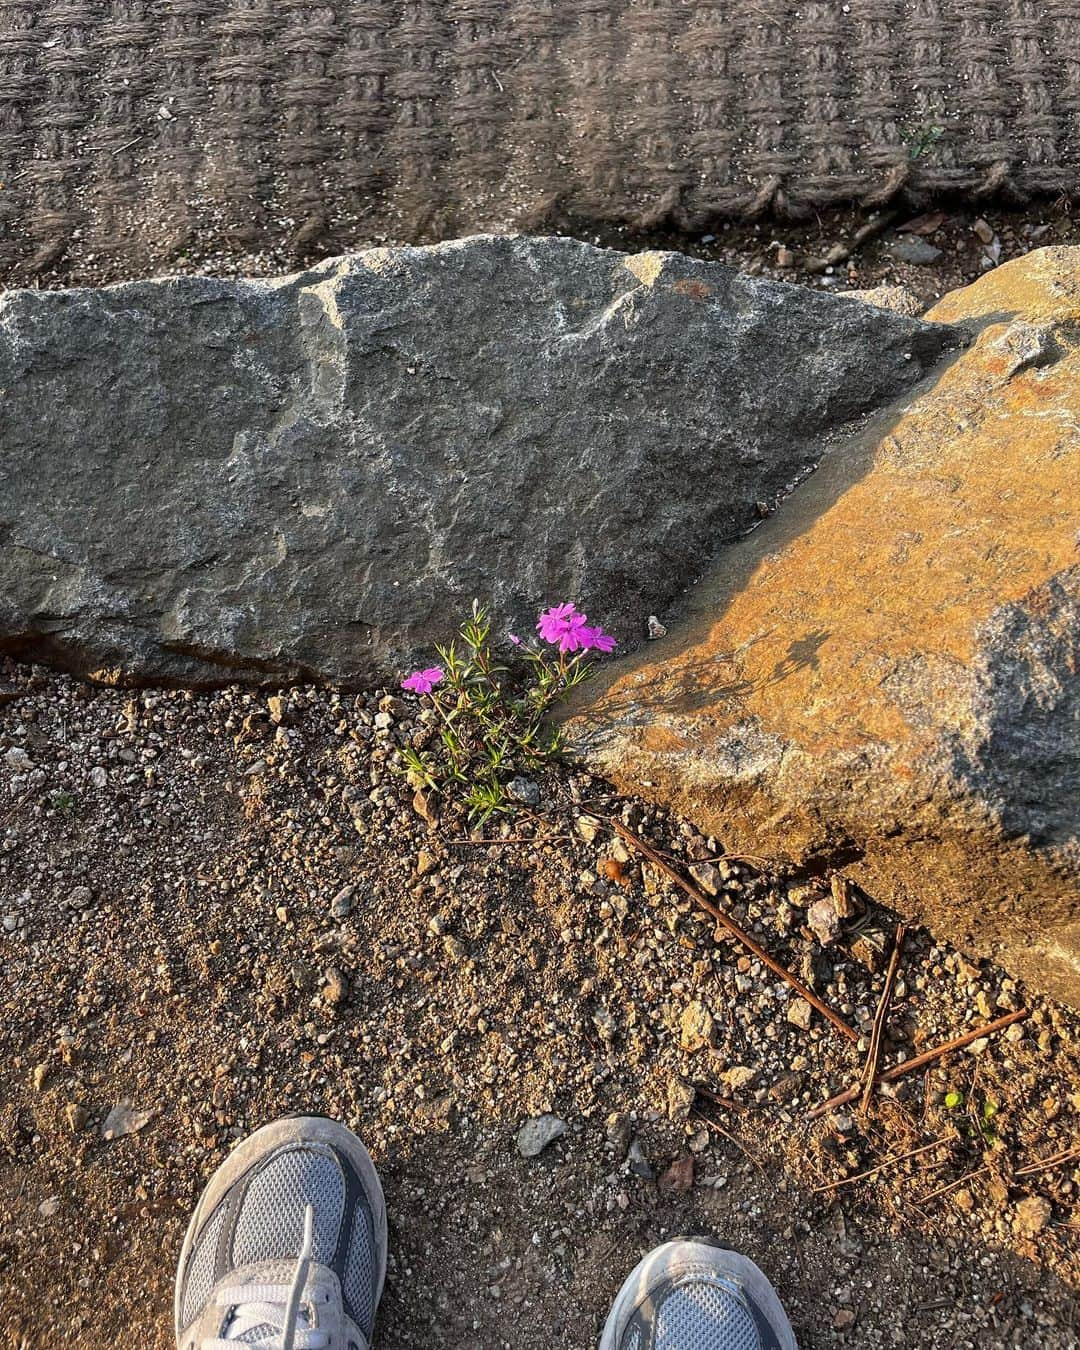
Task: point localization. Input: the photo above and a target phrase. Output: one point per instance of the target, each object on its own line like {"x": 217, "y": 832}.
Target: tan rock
{"x": 696, "y": 1028}
{"x": 885, "y": 673}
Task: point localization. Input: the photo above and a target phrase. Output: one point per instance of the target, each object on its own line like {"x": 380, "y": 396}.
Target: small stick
{"x": 1029, "y": 1169}
{"x": 733, "y": 928}
{"x": 10, "y": 815}
{"x": 715, "y": 1125}
{"x": 952, "y": 1185}
{"x": 873, "y": 1171}
{"x": 874, "y": 1055}
{"x": 726, "y": 1102}
{"x": 920, "y": 1061}
{"x": 513, "y": 839}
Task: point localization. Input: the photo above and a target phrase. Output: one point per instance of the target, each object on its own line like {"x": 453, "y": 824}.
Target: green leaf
{"x": 954, "y": 1100}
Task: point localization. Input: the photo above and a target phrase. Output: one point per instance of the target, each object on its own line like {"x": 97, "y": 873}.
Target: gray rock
{"x": 638, "y": 1162}
{"x": 342, "y": 903}
{"x": 524, "y": 790}
{"x": 537, "y": 1132}
{"x": 910, "y": 248}
{"x": 311, "y": 477}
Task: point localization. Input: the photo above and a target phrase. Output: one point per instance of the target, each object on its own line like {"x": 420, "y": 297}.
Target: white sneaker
{"x": 287, "y": 1247}
{"x": 696, "y": 1295}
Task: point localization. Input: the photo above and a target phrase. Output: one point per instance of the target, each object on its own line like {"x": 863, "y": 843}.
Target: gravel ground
{"x": 927, "y": 252}
{"x": 217, "y": 907}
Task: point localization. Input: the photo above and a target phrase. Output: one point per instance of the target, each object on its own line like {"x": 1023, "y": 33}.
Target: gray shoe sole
{"x": 289, "y": 1130}
{"x": 670, "y": 1262}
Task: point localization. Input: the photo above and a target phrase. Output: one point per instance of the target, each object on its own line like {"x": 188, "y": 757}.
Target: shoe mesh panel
{"x": 631, "y": 1341}
{"x": 360, "y": 1273}
{"x": 704, "y": 1315}
{"x": 270, "y": 1226}
{"x": 200, "y": 1270}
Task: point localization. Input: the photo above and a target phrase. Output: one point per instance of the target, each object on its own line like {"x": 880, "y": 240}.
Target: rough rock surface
{"x": 886, "y": 673}
{"x": 311, "y": 477}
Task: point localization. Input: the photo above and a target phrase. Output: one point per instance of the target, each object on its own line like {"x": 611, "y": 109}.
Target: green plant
{"x": 921, "y": 139}
{"x": 980, "y": 1118}
{"x": 489, "y": 719}
{"x": 63, "y": 801}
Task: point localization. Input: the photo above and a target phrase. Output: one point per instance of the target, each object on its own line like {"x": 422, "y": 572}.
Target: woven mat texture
{"x": 133, "y": 128}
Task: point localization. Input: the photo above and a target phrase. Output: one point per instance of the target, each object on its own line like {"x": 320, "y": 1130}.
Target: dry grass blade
{"x": 873, "y": 1056}
{"x": 873, "y": 1171}
{"x": 732, "y": 927}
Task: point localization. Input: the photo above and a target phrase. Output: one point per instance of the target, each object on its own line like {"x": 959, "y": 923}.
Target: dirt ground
{"x": 952, "y": 245}
{"x": 217, "y": 908}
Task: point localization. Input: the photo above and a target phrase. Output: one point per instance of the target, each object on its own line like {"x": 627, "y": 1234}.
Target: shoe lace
{"x": 270, "y": 1316}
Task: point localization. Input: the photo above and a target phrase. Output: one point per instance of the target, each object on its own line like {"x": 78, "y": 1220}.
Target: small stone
{"x": 335, "y": 987}
{"x": 48, "y": 1207}
{"x": 1032, "y": 1215}
{"x": 964, "y": 1200}
{"x": 252, "y": 770}
{"x": 800, "y": 1014}
{"x": 537, "y": 1132}
{"x": 76, "y": 1116}
{"x": 679, "y": 1177}
{"x": 80, "y": 897}
{"x": 869, "y": 948}
{"x": 680, "y": 1098}
{"x": 845, "y": 1318}
{"x": 437, "y": 924}
{"x": 983, "y": 230}
{"x": 707, "y": 877}
{"x": 454, "y": 948}
{"x": 587, "y": 828}
{"x": 276, "y": 705}
{"x": 524, "y": 790}
{"x": 823, "y": 920}
{"x": 699, "y": 1141}
{"x": 845, "y": 901}
{"x": 125, "y": 1119}
{"x": 424, "y": 807}
{"x": 977, "y": 1047}
{"x": 342, "y": 903}
{"x": 38, "y": 1077}
{"x": 738, "y": 1077}
{"x": 696, "y": 1028}
{"x": 654, "y": 628}
{"x": 784, "y": 257}
{"x": 425, "y": 862}
{"x": 639, "y": 1164}
{"x": 384, "y": 721}
{"x": 17, "y": 759}
{"x": 617, "y": 1128}
{"x": 911, "y": 249}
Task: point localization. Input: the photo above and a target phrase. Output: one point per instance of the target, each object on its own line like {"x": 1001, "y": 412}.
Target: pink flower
{"x": 514, "y": 639}
{"x": 423, "y": 681}
{"x": 561, "y": 625}
{"x": 595, "y": 639}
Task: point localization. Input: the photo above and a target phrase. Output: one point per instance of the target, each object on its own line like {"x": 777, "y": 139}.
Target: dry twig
{"x": 718, "y": 914}
{"x": 920, "y": 1061}
{"x": 873, "y": 1171}
{"x": 726, "y": 1134}
{"x": 874, "y": 1054}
